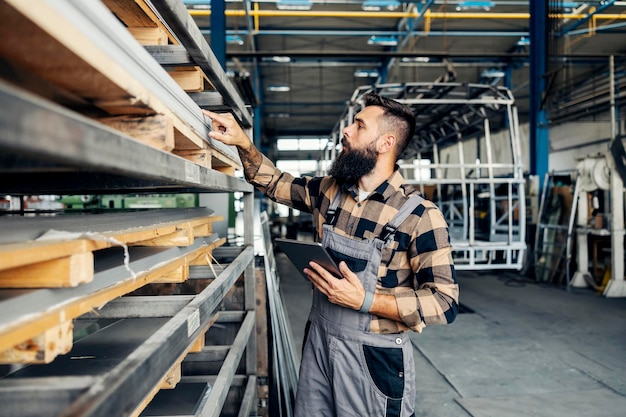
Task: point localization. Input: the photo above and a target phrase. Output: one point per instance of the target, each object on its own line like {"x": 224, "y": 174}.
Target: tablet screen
{"x": 300, "y": 253}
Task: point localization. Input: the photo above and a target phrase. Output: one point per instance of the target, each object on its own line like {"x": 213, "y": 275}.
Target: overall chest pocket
{"x": 355, "y": 264}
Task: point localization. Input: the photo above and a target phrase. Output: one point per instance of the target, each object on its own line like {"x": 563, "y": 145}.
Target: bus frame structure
{"x": 466, "y": 157}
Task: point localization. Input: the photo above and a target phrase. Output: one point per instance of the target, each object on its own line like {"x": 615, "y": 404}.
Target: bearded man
{"x": 394, "y": 253}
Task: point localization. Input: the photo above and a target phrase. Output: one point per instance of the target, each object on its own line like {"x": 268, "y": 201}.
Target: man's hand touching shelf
{"x": 227, "y": 130}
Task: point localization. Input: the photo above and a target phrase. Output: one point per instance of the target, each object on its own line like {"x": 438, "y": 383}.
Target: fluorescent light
{"x": 281, "y": 59}
{"x": 415, "y": 59}
{"x": 278, "y": 88}
{"x": 383, "y": 40}
{"x": 294, "y": 5}
{"x": 366, "y": 73}
{"x": 198, "y": 4}
{"x": 493, "y": 74}
{"x": 475, "y": 5}
{"x": 378, "y": 5}
{"x": 234, "y": 39}
{"x": 279, "y": 115}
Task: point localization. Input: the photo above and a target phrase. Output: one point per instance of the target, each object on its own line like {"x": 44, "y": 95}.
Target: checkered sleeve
{"x": 282, "y": 187}
{"x": 434, "y": 296}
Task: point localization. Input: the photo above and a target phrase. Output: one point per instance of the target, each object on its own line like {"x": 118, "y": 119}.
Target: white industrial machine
{"x": 601, "y": 172}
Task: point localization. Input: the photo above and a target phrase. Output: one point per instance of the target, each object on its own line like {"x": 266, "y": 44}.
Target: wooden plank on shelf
{"x": 137, "y": 13}
{"x": 202, "y": 157}
{"x": 184, "y": 28}
{"x": 24, "y": 315}
{"x": 131, "y": 13}
{"x": 100, "y": 62}
{"x": 96, "y": 232}
{"x": 42, "y": 348}
{"x": 171, "y": 378}
{"x": 181, "y": 236}
{"x": 224, "y": 163}
{"x": 44, "y": 51}
{"x": 68, "y": 271}
{"x": 188, "y": 78}
{"x": 180, "y": 274}
{"x": 156, "y": 131}
{"x": 206, "y": 259}
{"x": 149, "y": 36}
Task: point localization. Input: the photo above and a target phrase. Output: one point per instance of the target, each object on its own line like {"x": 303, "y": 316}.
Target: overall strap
{"x": 331, "y": 217}
{"x": 407, "y": 208}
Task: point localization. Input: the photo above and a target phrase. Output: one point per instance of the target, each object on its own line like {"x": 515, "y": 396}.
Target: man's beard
{"x": 352, "y": 165}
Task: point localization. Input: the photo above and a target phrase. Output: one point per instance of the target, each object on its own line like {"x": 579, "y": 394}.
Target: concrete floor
{"x": 520, "y": 349}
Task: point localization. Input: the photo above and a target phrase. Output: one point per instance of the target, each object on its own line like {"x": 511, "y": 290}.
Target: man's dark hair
{"x": 396, "y": 117}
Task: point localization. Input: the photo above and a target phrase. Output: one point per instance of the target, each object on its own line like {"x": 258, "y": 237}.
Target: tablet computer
{"x": 300, "y": 253}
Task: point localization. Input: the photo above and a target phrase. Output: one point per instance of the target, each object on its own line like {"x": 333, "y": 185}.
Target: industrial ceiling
{"x": 298, "y": 62}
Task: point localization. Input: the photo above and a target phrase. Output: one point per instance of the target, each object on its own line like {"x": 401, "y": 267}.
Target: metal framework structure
{"x": 457, "y": 160}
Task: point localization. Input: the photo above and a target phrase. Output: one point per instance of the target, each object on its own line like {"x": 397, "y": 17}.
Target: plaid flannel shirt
{"x": 417, "y": 268}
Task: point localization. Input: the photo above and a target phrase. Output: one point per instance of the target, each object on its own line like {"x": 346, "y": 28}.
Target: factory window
{"x": 301, "y": 144}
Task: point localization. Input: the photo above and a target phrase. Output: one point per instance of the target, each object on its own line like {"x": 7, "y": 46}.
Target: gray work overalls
{"x": 345, "y": 369}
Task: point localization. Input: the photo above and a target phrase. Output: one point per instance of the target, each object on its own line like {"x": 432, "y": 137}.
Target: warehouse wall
{"x": 571, "y": 141}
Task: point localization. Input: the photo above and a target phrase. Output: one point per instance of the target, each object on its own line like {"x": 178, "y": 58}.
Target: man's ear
{"x": 387, "y": 143}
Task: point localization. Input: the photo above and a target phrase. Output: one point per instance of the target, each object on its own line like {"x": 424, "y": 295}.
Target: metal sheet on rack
{"x": 66, "y": 141}
{"x": 20, "y": 305}
{"x": 98, "y": 26}
{"x": 18, "y": 229}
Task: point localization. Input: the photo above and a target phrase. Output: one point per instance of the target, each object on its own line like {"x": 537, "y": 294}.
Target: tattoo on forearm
{"x": 251, "y": 160}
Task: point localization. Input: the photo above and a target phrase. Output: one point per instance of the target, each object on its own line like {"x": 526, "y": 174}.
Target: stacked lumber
{"x": 103, "y": 314}
{"x": 127, "y": 349}
{"x": 91, "y": 59}
{"x": 81, "y": 253}
{"x": 58, "y": 251}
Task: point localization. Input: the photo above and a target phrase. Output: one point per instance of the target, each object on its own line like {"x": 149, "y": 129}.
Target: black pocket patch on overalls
{"x": 386, "y": 367}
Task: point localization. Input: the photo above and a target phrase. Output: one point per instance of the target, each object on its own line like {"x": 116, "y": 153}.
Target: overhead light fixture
{"x": 198, "y": 4}
{"x": 423, "y": 59}
{"x": 366, "y": 73}
{"x": 234, "y": 40}
{"x": 378, "y": 5}
{"x": 283, "y": 59}
{"x": 492, "y": 73}
{"x": 383, "y": 40}
{"x": 278, "y": 88}
{"x": 294, "y": 4}
{"x": 475, "y": 5}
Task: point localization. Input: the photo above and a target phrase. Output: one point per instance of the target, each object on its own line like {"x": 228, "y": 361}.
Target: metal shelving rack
{"x": 128, "y": 346}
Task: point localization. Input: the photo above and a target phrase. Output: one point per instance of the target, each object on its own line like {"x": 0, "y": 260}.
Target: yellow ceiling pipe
{"x": 256, "y": 13}
{"x": 360, "y": 14}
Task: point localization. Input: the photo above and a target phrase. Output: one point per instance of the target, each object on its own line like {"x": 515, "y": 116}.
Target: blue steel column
{"x": 218, "y": 31}
{"x": 539, "y": 134}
